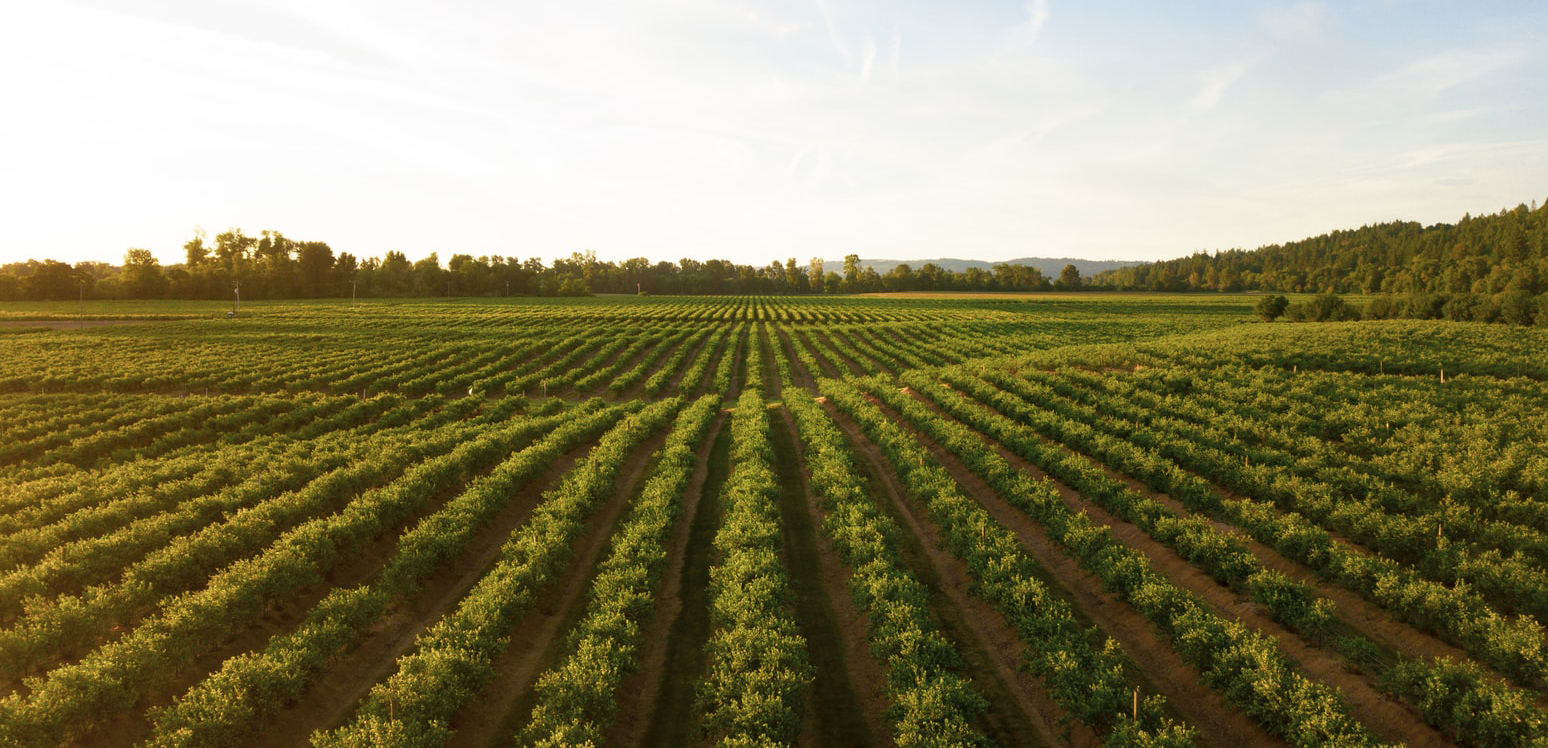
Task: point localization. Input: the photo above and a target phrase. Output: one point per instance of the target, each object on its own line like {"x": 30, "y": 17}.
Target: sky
{"x": 755, "y": 131}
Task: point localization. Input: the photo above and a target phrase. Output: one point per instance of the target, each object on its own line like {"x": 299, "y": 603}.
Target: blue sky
{"x": 756, "y": 131}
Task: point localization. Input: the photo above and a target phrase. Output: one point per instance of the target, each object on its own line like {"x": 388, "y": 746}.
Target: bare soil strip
{"x": 1020, "y": 711}
{"x": 539, "y": 641}
{"x": 637, "y": 695}
{"x": 664, "y": 714}
{"x": 738, "y": 345}
{"x": 823, "y": 363}
{"x": 845, "y": 703}
{"x": 837, "y": 350}
{"x": 676, "y": 380}
{"x": 798, "y": 371}
{"x": 1363, "y": 616}
{"x": 1386, "y": 717}
{"x": 331, "y": 696}
{"x": 844, "y": 348}
{"x": 1161, "y": 670}
{"x": 772, "y": 387}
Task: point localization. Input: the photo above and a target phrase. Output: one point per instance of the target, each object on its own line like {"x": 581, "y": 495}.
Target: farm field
{"x": 1074, "y": 520}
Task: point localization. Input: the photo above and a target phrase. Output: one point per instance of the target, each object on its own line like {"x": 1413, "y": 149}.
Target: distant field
{"x": 901, "y": 519}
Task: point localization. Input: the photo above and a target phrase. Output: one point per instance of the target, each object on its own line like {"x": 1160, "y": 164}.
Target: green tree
{"x": 851, "y": 272}
{"x": 814, "y": 275}
{"x": 1270, "y": 307}
{"x": 142, "y": 276}
{"x": 1069, "y": 278}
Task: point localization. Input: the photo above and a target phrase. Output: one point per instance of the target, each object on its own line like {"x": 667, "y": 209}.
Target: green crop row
{"x": 454, "y": 658}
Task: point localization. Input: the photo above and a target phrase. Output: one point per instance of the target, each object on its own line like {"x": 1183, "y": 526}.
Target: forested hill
{"x": 1485, "y": 255}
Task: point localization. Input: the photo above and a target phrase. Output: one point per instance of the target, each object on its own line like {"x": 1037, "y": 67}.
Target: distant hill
{"x": 1048, "y": 266}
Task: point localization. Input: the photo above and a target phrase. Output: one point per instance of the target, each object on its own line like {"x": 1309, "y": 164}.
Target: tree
{"x": 1069, "y": 278}
{"x": 795, "y": 280}
{"x": 142, "y": 275}
{"x": 814, "y": 275}
{"x": 851, "y": 272}
{"x": 1270, "y": 307}
{"x": 314, "y": 261}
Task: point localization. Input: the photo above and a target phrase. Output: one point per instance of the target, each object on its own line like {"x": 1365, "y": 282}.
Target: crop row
{"x": 1087, "y": 680}
{"x": 757, "y": 669}
{"x": 229, "y": 707}
{"x": 453, "y": 658}
{"x": 576, "y": 700}
{"x": 1290, "y": 602}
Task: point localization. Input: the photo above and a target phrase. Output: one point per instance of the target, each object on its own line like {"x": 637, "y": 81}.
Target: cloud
{"x": 1434, "y": 75}
{"x": 867, "y": 59}
{"x": 1215, "y": 82}
{"x": 833, "y": 34}
{"x": 1037, "y": 17}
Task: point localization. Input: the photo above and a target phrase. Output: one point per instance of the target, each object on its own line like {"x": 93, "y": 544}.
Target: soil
{"x": 803, "y": 377}
{"x": 676, "y": 380}
{"x": 386, "y": 640}
{"x": 1160, "y": 669}
{"x": 673, "y": 660}
{"x": 1020, "y": 711}
{"x": 833, "y": 347}
{"x": 664, "y": 641}
{"x": 1386, "y": 717}
{"x": 539, "y": 641}
{"x": 65, "y": 324}
{"x": 846, "y": 700}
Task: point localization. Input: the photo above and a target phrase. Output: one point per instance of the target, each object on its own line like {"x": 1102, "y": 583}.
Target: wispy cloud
{"x": 833, "y": 34}
{"x": 867, "y": 59}
{"x": 1029, "y": 30}
{"x": 1215, "y": 82}
{"x": 1434, "y": 75}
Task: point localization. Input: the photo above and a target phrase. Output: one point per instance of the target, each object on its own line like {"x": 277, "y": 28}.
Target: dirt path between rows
{"x": 1160, "y": 669}
{"x": 365, "y": 561}
{"x": 846, "y": 700}
{"x": 798, "y": 371}
{"x": 675, "y": 382}
{"x": 843, "y": 359}
{"x": 1387, "y": 718}
{"x": 332, "y": 699}
{"x": 823, "y": 364}
{"x": 1359, "y": 613}
{"x": 1020, "y": 711}
{"x": 655, "y": 705}
{"x": 539, "y": 641}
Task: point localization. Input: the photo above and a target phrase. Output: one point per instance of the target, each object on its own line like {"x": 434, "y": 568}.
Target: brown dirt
{"x": 1160, "y": 668}
{"x": 833, "y": 348}
{"x": 823, "y": 363}
{"x": 798, "y": 371}
{"x": 65, "y": 324}
{"x": 351, "y": 673}
{"x": 1020, "y": 711}
{"x": 851, "y": 348}
{"x": 676, "y": 380}
{"x": 1360, "y": 614}
{"x": 861, "y": 671}
{"x": 639, "y": 691}
{"x": 1357, "y": 612}
{"x": 539, "y": 641}
{"x": 332, "y": 699}
{"x": 1386, "y": 717}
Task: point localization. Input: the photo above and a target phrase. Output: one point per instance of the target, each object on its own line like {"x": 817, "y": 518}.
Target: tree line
{"x": 1489, "y": 255}
{"x": 274, "y": 266}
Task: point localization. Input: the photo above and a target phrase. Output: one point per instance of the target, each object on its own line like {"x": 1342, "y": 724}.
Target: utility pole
{"x": 352, "y": 293}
